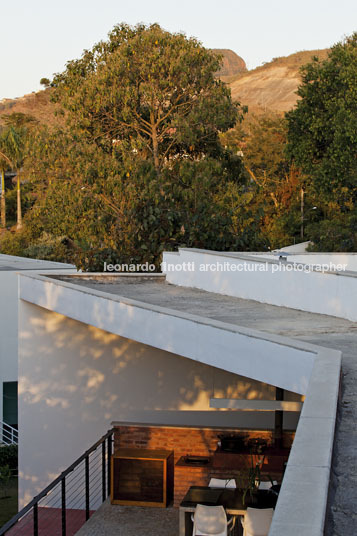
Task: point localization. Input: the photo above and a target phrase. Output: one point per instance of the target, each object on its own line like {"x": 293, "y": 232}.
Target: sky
{"x": 38, "y": 37}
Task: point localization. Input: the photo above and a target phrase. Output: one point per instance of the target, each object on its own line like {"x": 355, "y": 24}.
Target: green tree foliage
{"x": 5, "y": 164}
{"x": 5, "y": 476}
{"x": 274, "y": 183}
{"x": 45, "y": 82}
{"x": 102, "y": 208}
{"x": 9, "y": 456}
{"x": 323, "y": 127}
{"x": 322, "y": 139}
{"x": 262, "y": 140}
{"x": 139, "y": 166}
{"x": 148, "y": 91}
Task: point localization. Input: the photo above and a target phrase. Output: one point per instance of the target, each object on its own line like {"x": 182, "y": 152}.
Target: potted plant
{"x": 253, "y": 479}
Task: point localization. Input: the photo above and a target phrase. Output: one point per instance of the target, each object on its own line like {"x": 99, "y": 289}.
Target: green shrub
{"x": 9, "y": 456}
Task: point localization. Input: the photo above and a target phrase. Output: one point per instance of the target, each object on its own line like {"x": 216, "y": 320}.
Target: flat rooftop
{"x": 231, "y": 310}
{"x": 11, "y": 263}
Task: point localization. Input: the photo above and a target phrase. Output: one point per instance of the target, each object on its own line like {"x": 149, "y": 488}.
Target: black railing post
{"x": 87, "y": 486}
{"x": 109, "y": 461}
{"x": 63, "y": 493}
{"x": 35, "y": 519}
{"x": 104, "y": 491}
{"x": 33, "y": 508}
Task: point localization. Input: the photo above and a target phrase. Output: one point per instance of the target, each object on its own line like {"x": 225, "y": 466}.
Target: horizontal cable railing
{"x": 68, "y": 502}
{"x": 8, "y": 434}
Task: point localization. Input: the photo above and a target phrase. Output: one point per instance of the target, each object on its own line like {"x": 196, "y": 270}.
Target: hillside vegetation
{"x": 36, "y": 104}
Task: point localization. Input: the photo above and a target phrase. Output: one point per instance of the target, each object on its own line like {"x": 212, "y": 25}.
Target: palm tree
{"x": 16, "y": 130}
{"x": 14, "y": 154}
{"x": 5, "y": 163}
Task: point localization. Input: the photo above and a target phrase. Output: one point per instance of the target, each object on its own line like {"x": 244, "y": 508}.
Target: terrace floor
{"x": 117, "y": 520}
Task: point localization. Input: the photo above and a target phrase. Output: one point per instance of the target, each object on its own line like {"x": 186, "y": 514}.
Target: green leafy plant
{"x": 253, "y": 477}
{"x": 9, "y": 456}
{"x": 5, "y": 476}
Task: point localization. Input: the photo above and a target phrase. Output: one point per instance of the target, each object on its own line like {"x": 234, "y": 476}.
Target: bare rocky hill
{"x": 232, "y": 64}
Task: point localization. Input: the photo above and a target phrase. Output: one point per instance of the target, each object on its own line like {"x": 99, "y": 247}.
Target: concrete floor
{"x": 110, "y": 520}
{"x": 323, "y": 330}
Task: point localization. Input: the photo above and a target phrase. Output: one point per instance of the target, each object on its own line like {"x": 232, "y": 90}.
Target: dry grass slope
{"x": 273, "y": 85}
{"x": 37, "y": 105}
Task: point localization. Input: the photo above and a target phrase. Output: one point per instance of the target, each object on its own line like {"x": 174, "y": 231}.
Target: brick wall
{"x": 193, "y": 441}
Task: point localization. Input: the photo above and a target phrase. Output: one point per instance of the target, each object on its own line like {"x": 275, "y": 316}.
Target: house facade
{"x": 167, "y": 363}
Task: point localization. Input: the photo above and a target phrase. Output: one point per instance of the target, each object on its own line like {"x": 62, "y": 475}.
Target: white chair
{"x": 210, "y": 520}
{"x": 267, "y": 485}
{"x": 257, "y": 521}
{"x": 222, "y": 483}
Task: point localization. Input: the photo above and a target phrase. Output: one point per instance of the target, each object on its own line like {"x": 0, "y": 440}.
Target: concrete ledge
{"x": 253, "y": 404}
{"x": 301, "y": 507}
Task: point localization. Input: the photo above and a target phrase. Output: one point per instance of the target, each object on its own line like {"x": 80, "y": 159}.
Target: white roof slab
{"x": 266, "y": 357}
{"x": 11, "y": 263}
{"x": 277, "y": 345}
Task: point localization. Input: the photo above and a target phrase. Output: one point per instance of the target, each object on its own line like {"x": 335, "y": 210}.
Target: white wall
{"x": 9, "y": 265}
{"x": 296, "y": 253}
{"x": 75, "y": 379}
{"x": 265, "y": 281}
{"x": 8, "y": 331}
{"x": 349, "y": 260}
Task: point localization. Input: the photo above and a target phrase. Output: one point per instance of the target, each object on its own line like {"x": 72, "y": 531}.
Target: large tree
{"x": 323, "y": 127}
{"x": 322, "y": 140}
{"x": 137, "y": 166}
{"x": 149, "y": 92}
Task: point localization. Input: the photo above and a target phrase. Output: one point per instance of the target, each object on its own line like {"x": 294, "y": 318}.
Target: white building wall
{"x": 347, "y": 260}
{"x": 75, "y": 379}
{"x": 9, "y": 267}
{"x": 8, "y": 330}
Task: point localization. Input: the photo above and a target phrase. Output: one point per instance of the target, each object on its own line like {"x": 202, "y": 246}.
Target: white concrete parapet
{"x": 266, "y": 280}
{"x": 301, "y": 507}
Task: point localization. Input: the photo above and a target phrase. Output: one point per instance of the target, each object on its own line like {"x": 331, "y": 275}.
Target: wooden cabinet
{"x": 142, "y": 477}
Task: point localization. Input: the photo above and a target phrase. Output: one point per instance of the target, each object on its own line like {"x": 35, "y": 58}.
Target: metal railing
{"x": 8, "y": 434}
{"x": 68, "y": 502}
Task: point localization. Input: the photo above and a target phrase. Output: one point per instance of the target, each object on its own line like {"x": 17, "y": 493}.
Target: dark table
{"x": 230, "y": 499}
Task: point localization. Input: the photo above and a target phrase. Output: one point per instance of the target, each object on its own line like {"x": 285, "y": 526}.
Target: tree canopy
{"x": 147, "y": 91}
{"x": 322, "y": 135}
{"x": 137, "y": 166}
{"x": 322, "y": 140}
